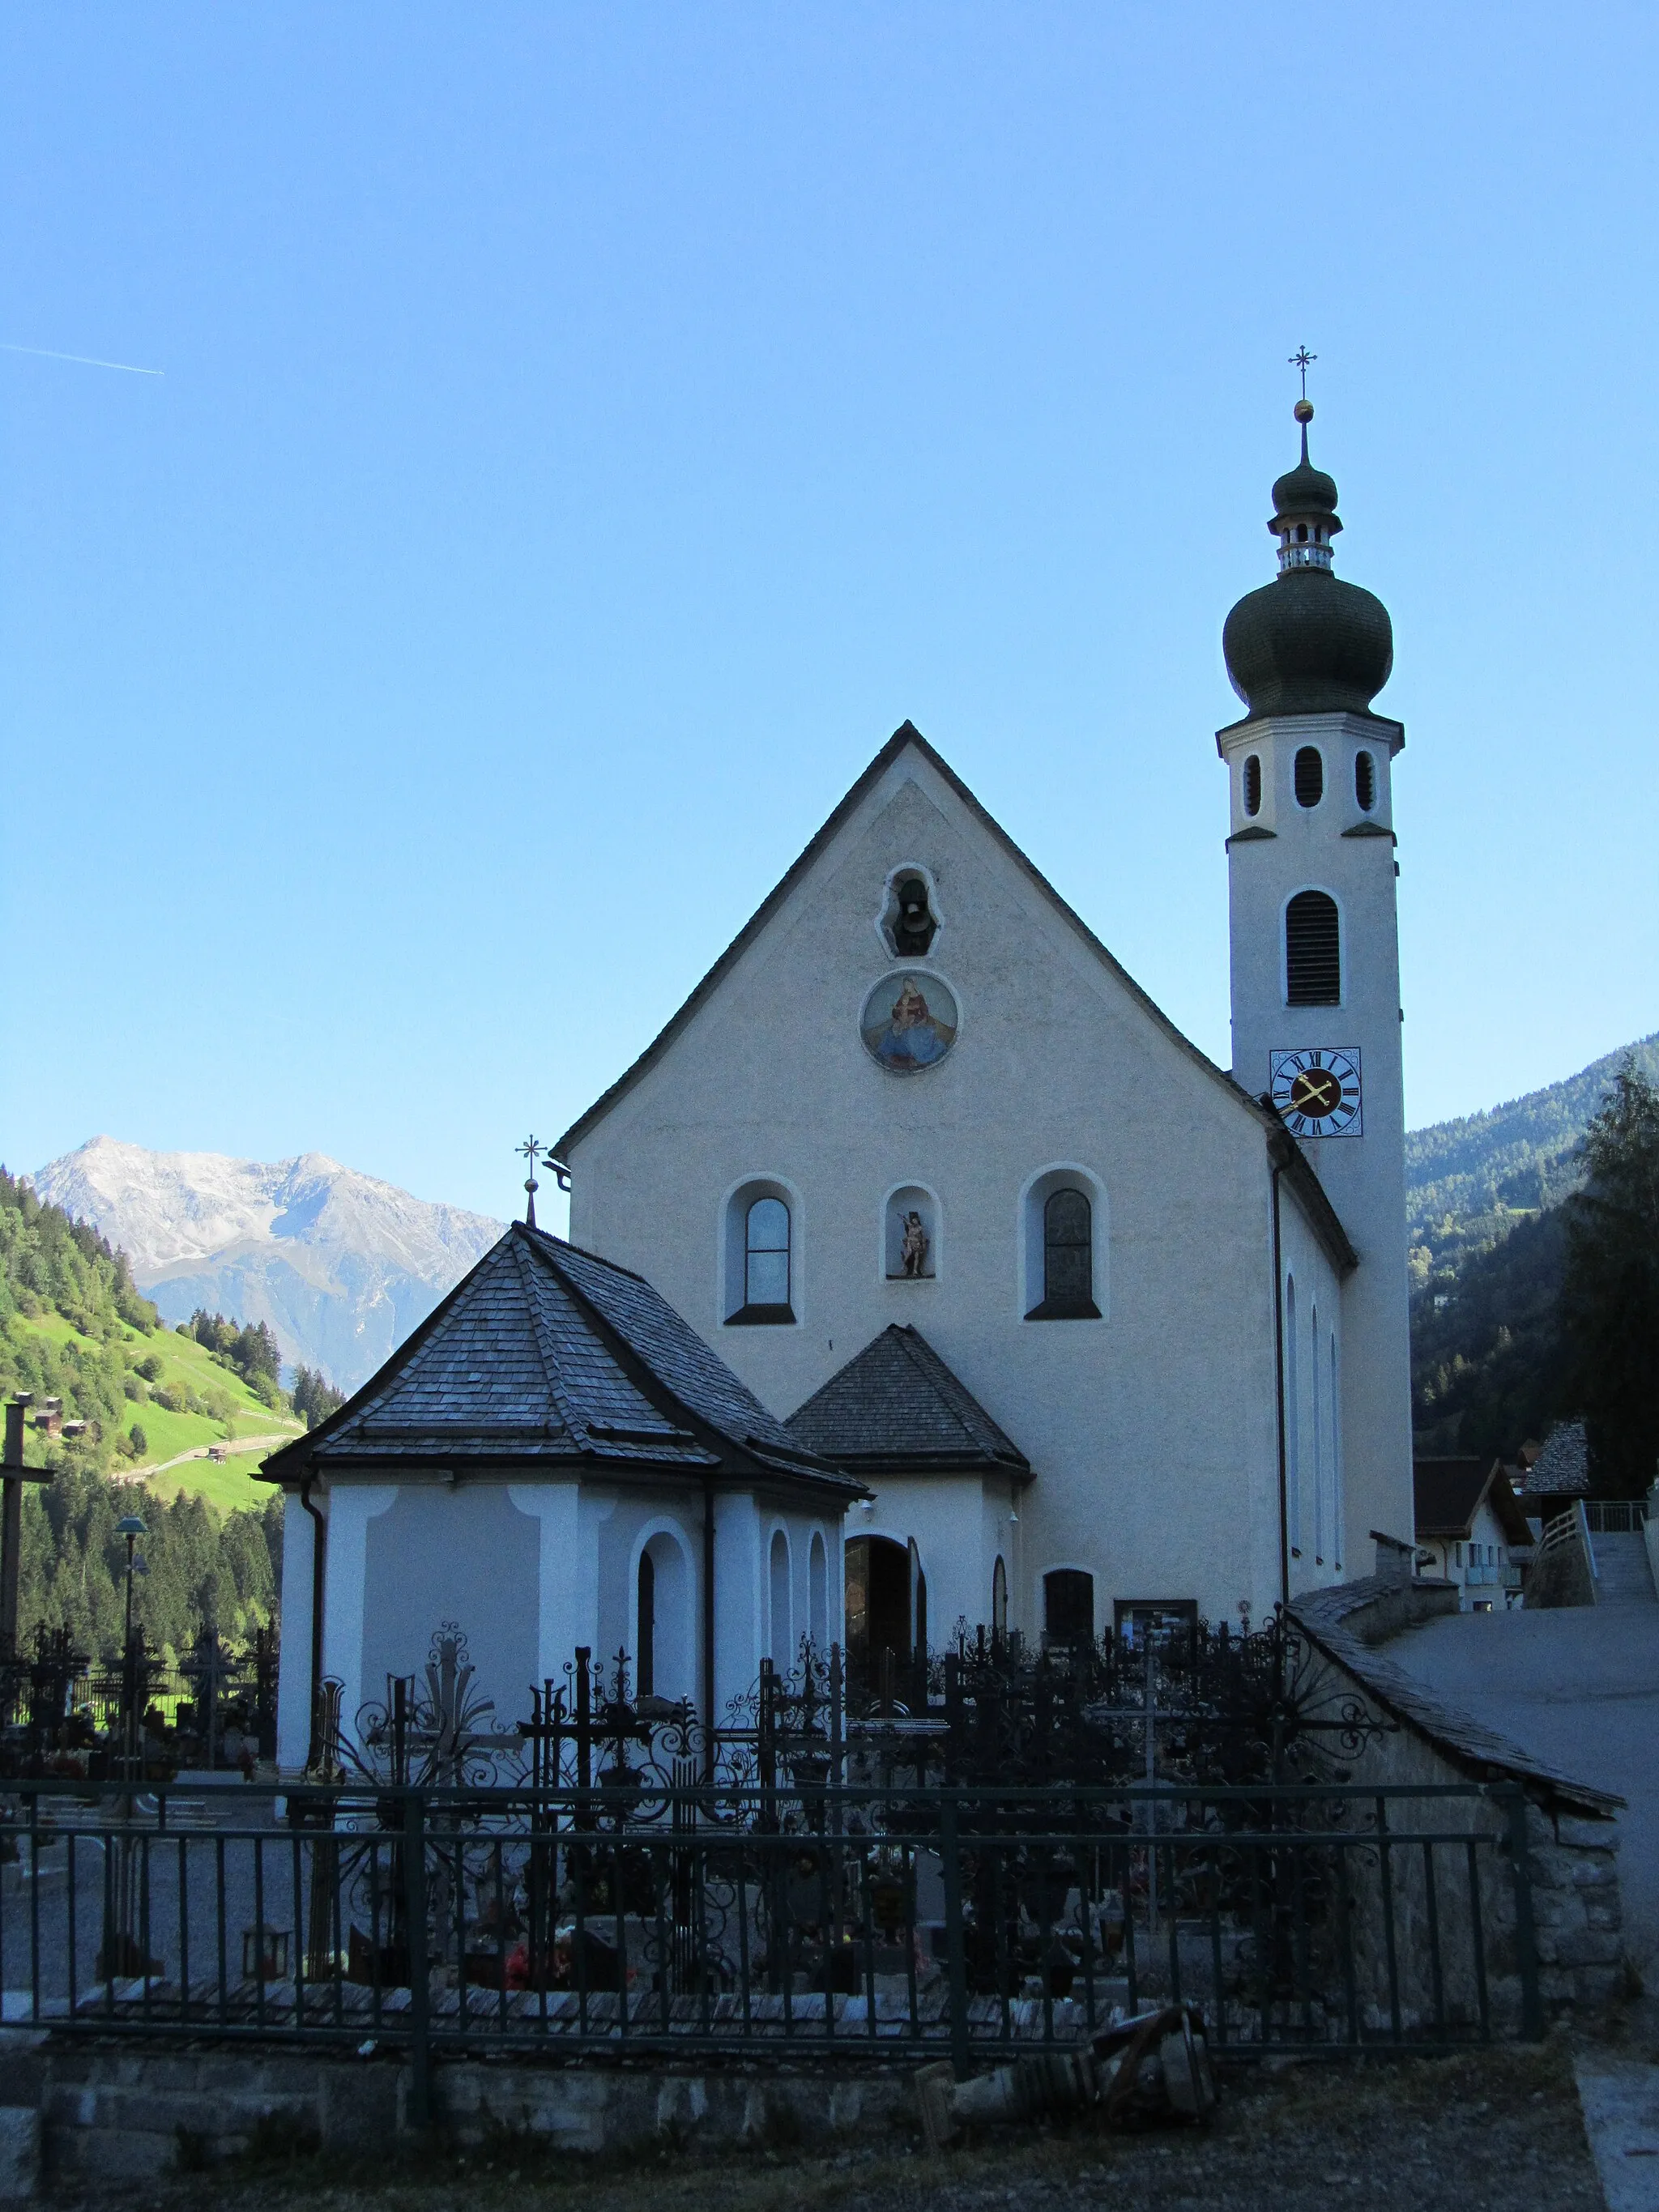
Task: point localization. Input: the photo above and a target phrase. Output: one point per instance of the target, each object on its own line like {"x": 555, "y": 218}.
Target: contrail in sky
{"x": 85, "y": 360}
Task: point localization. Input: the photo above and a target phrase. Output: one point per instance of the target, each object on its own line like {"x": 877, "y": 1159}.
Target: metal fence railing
{"x": 795, "y": 1921}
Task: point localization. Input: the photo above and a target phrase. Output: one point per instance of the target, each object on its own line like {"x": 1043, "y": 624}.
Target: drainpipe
{"x": 318, "y": 1558}
{"x": 1280, "y": 1150}
{"x": 709, "y": 1628}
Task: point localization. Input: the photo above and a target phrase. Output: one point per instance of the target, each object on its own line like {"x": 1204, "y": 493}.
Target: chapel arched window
{"x": 645, "y": 1655}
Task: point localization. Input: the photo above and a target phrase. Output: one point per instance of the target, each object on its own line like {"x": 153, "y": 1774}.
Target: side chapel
{"x": 878, "y": 1335}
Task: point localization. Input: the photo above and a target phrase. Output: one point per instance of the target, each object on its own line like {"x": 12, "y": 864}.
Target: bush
{"x": 138, "y": 1440}
{"x": 149, "y": 1367}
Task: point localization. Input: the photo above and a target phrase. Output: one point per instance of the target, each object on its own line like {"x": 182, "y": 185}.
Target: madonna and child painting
{"x": 908, "y": 1022}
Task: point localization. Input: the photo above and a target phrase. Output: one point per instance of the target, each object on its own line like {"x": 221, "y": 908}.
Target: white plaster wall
{"x": 1152, "y": 1431}
{"x": 1319, "y": 1550}
{"x": 351, "y": 1507}
{"x": 460, "y": 1553}
{"x": 294, "y": 1678}
{"x": 1364, "y": 1175}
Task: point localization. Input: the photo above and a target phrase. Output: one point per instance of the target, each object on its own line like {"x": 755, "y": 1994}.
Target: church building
{"x": 1127, "y": 1340}
{"x": 867, "y": 1328}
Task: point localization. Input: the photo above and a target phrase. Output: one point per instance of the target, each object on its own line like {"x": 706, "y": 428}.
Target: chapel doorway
{"x": 880, "y": 1594}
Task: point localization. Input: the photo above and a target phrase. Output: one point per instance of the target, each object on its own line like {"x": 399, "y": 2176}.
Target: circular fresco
{"x": 909, "y": 1021}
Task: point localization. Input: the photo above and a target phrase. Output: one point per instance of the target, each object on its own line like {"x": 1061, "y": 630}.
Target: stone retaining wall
{"x": 1571, "y": 1830}
{"x": 126, "y": 2113}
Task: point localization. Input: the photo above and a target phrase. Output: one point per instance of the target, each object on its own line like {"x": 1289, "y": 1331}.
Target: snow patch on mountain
{"x": 341, "y": 1265}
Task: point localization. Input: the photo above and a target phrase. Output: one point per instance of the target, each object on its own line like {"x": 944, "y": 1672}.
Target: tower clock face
{"x": 1317, "y": 1089}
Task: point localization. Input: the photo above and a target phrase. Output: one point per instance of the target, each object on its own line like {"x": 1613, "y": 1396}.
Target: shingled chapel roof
{"x": 896, "y": 1405}
{"x": 546, "y": 1358}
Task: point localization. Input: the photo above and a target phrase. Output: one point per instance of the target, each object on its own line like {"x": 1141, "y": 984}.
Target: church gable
{"x": 837, "y": 909}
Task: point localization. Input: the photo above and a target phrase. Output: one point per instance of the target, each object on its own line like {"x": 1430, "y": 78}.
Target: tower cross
{"x": 531, "y": 1150}
{"x": 1302, "y": 360}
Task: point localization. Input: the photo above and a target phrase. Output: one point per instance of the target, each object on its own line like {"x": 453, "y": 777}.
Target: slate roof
{"x": 544, "y": 1356}
{"x": 1563, "y": 1465}
{"x": 897, "y": 1407}
{"x": 1450, "y": 1491}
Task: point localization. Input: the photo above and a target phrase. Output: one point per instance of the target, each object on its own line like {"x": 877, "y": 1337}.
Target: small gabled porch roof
{"x": 896, "y": 1408}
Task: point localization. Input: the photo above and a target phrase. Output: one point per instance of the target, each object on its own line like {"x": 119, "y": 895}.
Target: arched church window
{"x": 1365, "y": 782}
{"x": 1253, "y": 784}
{"x": 1293, "y": 1423}
{"x": 1068, "y": 1279}
{"x": 1313, "y": 951}
{"x": 766, "y": 1286}
{"x": 1068, "y": 1607}
{"x": 1308, "y": 776}
{"x": 645, "y": 1655}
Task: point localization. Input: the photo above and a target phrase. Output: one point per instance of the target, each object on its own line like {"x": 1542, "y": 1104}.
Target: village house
{"x": 1472, "y": 1530}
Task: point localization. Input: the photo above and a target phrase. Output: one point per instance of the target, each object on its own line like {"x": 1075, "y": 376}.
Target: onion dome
{"x": 1308, "y": 643}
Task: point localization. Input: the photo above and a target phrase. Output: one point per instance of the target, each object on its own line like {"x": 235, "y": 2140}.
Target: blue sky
{"x": 586, "y": 433}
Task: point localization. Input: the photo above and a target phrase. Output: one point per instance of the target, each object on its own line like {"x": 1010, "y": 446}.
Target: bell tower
{"x": 1315, "y": 965}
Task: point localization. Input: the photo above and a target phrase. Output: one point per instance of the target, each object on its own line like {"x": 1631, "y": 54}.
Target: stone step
{"x": 1624, "y": 1574}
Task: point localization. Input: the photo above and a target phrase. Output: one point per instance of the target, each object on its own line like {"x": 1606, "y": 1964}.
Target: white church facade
{"x": 1176, "y": 1293}
{"x": 1029, "y": 1315}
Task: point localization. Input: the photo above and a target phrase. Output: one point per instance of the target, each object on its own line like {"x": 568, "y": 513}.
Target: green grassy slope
{"x": 189, "y": 1369}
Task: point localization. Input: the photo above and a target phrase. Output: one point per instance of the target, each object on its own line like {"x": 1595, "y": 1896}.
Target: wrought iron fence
{"x": 802, "y": 1918}
{"x": 62, "y": 1714}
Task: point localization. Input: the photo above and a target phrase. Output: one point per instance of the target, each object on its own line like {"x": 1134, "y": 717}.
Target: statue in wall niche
{"x": 913, "y": 1246}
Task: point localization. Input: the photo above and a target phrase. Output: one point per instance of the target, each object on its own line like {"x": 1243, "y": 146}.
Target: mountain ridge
{"x": 341, "y": 1265}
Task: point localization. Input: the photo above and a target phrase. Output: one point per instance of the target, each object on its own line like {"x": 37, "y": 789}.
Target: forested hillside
{"x": 72, "y": 1327}
{"x": 1524, "y": 1313}
{"x": 1517, "y": 1156}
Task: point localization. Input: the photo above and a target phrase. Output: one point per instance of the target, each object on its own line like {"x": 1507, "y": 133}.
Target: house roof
{"x": 1563, "y": 1465}
{"x": 1450, "y": 1491}
{"x": 897, "y": 1408}
{"x": 1322, "y": 1215}
{"x": 546, "y": 1356}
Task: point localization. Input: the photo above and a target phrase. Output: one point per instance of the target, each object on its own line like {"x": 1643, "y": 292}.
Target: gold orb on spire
{"x": 1303, "y": 411}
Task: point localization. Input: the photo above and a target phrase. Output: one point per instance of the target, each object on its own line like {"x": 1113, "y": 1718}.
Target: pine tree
{"x": 1610, "y": 1290}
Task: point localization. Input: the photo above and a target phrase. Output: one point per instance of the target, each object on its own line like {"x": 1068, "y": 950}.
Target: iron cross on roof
{"x": 1302, "y": 360}
{"x": 531, "y": 1150}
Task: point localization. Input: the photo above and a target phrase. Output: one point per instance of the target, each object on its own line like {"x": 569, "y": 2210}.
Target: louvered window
{"x": 1310, "y": 775}
{"x": 1365, "y": 782}
{"x": 1253, "y": 784}
{"x": 1313, "y": 951}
